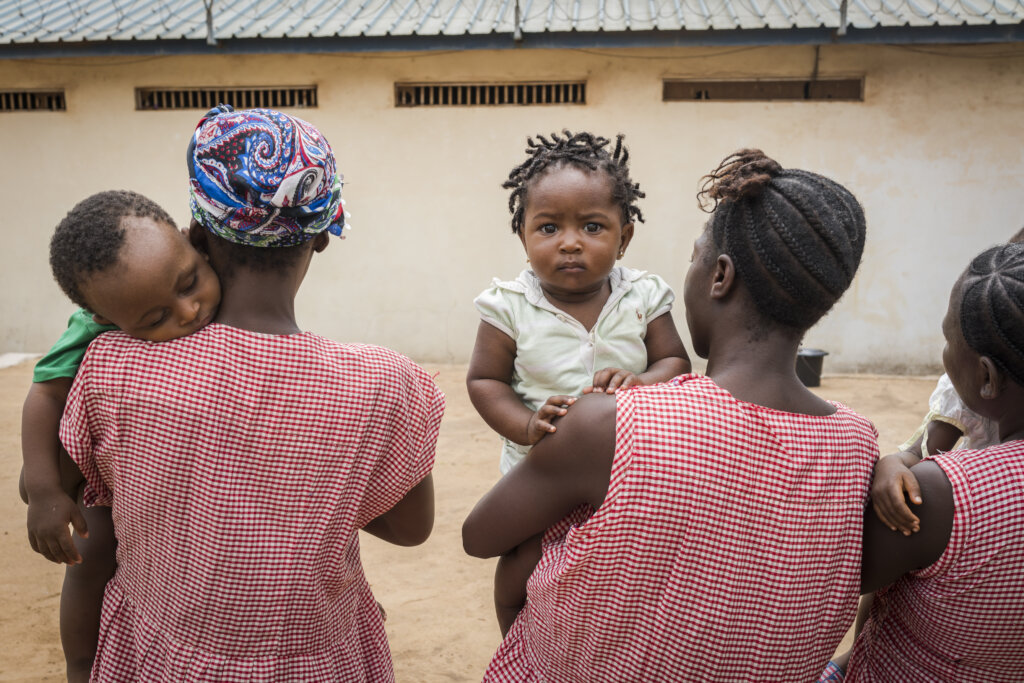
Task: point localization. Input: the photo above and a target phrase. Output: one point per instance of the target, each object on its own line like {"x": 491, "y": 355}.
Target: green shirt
{"x": 64, "y": 357}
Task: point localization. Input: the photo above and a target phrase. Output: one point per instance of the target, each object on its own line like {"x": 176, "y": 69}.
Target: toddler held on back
{"x": 572, "y": 323}
{"x": 120, "y": 257}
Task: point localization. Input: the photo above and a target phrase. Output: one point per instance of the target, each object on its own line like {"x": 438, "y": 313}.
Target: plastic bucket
{"x": 808, "y": 366}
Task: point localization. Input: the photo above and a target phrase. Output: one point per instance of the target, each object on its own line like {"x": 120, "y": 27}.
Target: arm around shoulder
{"x": 568, "y": 468}
{"x": 889, "y": 554}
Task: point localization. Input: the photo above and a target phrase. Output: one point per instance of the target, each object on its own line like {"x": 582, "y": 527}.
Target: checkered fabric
{"x": 962, "y": 618}
{"x": 239, "y": 467}
{"x": 727, "y": 548}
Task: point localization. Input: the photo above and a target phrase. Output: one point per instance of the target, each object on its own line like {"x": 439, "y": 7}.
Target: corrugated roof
{"x": 70, "y": 21}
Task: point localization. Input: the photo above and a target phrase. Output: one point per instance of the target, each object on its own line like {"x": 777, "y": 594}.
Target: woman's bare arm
{"x": 411, "y": 520}
{"x": 889, "y": 554}
{"x": 568, "y": 468}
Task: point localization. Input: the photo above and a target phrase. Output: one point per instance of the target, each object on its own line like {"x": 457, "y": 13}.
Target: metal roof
{"x": 84, "y": 21}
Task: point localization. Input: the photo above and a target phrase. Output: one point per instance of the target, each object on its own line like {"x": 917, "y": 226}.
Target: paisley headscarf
{"x": 262, "y": 178}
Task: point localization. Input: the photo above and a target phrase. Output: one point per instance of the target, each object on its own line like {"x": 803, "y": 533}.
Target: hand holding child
{"x": 608, "y": 380}
{"x": 48, "y": 520}
{"x": 892, "y": 478}
{"x": 540, "y": 422}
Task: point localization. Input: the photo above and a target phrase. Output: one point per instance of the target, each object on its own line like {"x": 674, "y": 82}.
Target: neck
{"x": 1010, "y": 417}
{"x": 761, "y": 369}
{"x": 557, "y": 296}
{"x": 263, "y": 308}
{"x": 259, "y": 299}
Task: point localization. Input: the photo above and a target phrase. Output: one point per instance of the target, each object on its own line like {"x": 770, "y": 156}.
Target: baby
{"x": 121, "y": 258}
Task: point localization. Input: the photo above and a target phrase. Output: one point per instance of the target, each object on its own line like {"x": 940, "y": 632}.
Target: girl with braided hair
{"x": 707, "y": 528}
{"x": 574, "y": 322}
{"x": 953, "y": 613}
{"x": 949, "y": 424}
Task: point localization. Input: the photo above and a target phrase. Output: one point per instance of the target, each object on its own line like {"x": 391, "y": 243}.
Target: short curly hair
{"x": 582, "y": 150}
{"x": 90, "y": 237}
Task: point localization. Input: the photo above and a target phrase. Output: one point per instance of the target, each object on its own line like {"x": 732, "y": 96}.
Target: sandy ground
{"x": 440, "y": 620}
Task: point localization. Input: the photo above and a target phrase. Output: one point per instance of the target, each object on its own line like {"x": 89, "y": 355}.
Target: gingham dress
{"x": 239, "y": 467}
{"x": 962, "y": 618}
{"x": 727, "y": 548}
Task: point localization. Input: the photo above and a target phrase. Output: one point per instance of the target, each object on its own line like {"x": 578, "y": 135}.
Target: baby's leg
{"x": 81, "y": 599}
{"x": 514, "y": 569}
{"x": 82, "y": 596}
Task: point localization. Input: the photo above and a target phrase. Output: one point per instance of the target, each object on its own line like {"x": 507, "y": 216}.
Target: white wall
{"x": 935, "y": 153}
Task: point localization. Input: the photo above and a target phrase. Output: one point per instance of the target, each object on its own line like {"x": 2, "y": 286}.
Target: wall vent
{"x": 839, "y": 89}
{"x": 32, "y": 100}
{"x": 166, "y": 99}
{"x": 489, "y": 94}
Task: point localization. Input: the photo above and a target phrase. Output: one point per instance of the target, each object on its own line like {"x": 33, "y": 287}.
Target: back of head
{"x": 263, "y": 181}
{"x": 90, "y": 237}
{"x": 583, "y": 150}
{"x": 795, "y": 237}
{"x": 992, "y": 307}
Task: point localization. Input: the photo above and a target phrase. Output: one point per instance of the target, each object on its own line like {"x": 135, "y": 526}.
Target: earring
{"x": 621, "y": 254}
{"x": 527, "y": 260}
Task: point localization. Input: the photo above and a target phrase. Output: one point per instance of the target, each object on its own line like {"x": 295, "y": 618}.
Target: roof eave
{"x": 905, "y": 35}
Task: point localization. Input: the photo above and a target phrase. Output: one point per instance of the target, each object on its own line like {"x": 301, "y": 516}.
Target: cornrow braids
{"x": 583, "y": 150}
{"x": 796, "y": 238}
{"x": 992, "y": 307}
{"x": 90, "y": 237}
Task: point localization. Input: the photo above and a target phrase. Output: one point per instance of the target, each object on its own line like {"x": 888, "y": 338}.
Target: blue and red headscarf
{"x": 262, "y": 178}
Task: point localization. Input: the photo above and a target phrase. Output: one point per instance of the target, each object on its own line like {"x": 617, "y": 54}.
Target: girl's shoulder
{"x": 507, "y": 302}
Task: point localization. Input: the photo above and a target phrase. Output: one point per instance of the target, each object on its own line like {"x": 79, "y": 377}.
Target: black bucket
{"x": 808, "y": 366}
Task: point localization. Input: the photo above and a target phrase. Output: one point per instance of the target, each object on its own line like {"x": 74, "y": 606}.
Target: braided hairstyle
{"x": 90, "y": 237}
{"x": 992, "y": 307}
{"x": 795, "y": 237}
{"x": 584, "y": 151}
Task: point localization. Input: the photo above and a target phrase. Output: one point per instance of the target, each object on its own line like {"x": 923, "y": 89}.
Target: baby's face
{"x": 161, "y": 288}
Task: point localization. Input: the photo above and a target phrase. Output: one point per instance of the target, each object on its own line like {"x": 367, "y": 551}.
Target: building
{"x": 913, "y": 104}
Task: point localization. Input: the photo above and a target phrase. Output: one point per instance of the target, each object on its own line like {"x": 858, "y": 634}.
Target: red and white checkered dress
{"x": 962, "y": 618}
{"x": 727, "y": 549}
{"x": 239, "y": 467}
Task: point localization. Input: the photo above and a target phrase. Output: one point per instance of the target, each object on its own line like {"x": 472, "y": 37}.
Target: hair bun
{"x": 742, "y": 174}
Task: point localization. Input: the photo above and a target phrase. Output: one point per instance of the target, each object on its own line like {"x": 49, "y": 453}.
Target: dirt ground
{"x": 440, "y": 621}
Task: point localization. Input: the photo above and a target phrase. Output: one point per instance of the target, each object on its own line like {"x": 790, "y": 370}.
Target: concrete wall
{"x": 935, "y": 153}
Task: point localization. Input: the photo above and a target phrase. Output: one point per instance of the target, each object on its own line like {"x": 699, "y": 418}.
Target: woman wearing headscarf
{"x": 241, "y": 461}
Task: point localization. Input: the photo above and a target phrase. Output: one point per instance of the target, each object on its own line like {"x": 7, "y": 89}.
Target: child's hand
{"x": 892, "y": 477}
{"x": 608, "y": 380}
{"x": 540, "y": 425}
{"x": 48, "y": 519}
